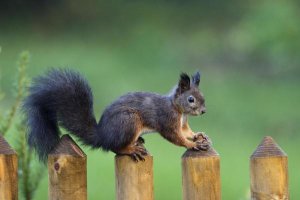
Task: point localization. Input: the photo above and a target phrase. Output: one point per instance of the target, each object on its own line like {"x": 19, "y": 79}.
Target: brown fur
{"x": 166, "y": 115}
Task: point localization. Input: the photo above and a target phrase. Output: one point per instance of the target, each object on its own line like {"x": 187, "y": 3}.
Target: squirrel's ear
{"x": 196, "y": 78}
{"x": 184, "y": 82}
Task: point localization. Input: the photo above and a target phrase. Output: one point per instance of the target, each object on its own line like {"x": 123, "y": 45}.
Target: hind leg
{"x": 132, "y": 143}
{"x": 136, "y": 149}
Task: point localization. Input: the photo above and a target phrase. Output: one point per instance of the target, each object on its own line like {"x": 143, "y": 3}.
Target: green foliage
{"x": 1, "y": 93}
{"x": 269, "y": 34}
{"x": 20, "y": 89}
{"x": 247, "y": 53}
{"x": 30, "y": 171}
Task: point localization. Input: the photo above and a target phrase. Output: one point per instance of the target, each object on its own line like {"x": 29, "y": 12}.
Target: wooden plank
{"x": 269, "y": 172}
{"x": 67, "y": 171}
{"x": 134, "y": 180}
{"x": 8, "y": 171}
{"x": 201, "y": 175}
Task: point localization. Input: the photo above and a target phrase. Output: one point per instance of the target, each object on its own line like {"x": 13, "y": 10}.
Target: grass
{"x": 241, "y": 107}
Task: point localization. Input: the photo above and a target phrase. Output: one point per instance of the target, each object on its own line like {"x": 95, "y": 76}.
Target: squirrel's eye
{"x": 191, "y": 99}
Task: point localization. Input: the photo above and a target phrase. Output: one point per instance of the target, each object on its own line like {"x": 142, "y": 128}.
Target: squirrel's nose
{"x": 203, "y": 111}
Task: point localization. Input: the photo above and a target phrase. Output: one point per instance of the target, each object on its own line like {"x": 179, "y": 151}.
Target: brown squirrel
{"x": 63, "y": 97}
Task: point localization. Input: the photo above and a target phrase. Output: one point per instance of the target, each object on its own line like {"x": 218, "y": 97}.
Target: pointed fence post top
{"x": 8, "y": 171}
{"x": 67, "y": 171}
{"x": 67, "y": 146}
{"x": 5, "y": 148}
{"x": 268, "y": 148}
{"x": 211, "y": 152}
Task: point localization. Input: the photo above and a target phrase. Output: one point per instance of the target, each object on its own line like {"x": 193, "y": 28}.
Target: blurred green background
{"x": 247, "y": 51}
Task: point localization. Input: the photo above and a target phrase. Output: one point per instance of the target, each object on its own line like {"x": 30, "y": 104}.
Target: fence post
{"x": 201, "y": 175}
{"x": 134, "y": 180}
{"x": 67, "y": 171}
{"x": 8, "y": 171}
{"x": 269, "y": 171}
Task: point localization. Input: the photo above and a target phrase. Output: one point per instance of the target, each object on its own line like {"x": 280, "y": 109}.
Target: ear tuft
{"x": 196, "y": 78}
{"x": 184, "y": 82}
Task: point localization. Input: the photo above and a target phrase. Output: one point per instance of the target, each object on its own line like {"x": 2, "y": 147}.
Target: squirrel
{"x": 63, "y": 97}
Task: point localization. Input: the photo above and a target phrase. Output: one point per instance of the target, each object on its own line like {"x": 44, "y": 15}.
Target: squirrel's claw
{"x": 201, "y": 136}
{"x": 141, "y": 150}
{"x": 136, "y": 157}
{"x": 202, "y": 141}
{"x": 138, "y": 154}
{"x": 203, "y": 145}
{"x": 195, "y": 148}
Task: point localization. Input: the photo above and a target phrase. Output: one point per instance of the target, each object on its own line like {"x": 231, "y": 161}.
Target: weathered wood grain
{"x": 134, "y": 180}
{"x": 201, "y": 175}
{"x": 269, "y": 172}
{"x": 67, "y": 171}
{"x": 8, "y": 171}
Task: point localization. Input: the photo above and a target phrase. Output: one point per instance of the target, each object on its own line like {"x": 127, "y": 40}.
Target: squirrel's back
{"x": 132, "y": 114}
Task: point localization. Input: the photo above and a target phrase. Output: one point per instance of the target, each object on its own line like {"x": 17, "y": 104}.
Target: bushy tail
{"x": 61, "y": 97}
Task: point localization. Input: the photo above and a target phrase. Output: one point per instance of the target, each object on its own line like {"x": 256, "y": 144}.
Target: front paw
{"x": 201, "y": 136}
{"x": 201, "y": 146}
{"x": 202, "y": 142}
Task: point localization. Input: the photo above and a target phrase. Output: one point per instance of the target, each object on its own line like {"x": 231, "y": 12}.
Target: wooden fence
{"x": 134, "y": 181}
